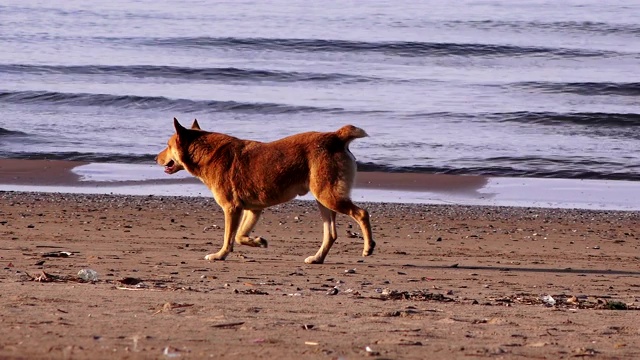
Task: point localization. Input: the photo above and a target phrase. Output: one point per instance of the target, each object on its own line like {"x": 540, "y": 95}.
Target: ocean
{"x": 531, "y": 88}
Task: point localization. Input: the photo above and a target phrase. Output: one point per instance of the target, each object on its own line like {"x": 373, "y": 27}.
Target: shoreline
{"x": 58, "y": 176}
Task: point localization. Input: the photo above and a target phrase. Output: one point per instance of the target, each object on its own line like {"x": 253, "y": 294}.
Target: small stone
{"x": 548, "y": 300}
{"x": 351, "y": 234}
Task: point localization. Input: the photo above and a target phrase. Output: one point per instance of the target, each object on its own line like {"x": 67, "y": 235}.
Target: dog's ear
{"x": 195, "y": 125}
{"x": 180, "y": 130}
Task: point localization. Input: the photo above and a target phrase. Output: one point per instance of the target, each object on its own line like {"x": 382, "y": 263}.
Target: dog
{"x": 247, "y": 176}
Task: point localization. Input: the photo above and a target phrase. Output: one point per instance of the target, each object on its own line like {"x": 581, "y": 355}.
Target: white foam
{"x": 102, "y": 172}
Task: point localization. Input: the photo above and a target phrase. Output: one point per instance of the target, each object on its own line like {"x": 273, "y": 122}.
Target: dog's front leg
{"x": 232, "y": 217}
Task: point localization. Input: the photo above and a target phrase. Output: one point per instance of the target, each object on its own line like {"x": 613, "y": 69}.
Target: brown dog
{"x": 248, "y": 176}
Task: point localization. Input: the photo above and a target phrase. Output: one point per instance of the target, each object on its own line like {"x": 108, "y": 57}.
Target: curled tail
{"x": 348, "y": 133}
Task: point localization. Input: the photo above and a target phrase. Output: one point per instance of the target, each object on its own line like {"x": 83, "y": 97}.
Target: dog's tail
{"x": 348, "y": 133}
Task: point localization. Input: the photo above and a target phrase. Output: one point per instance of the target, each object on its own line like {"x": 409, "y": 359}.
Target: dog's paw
{"x": 313, "y": 260}
{"x": 368, "y": 251}
{"x": 216, "y": 256}
{"x": 262, "y": 242}
{"x": 258, "y": 241}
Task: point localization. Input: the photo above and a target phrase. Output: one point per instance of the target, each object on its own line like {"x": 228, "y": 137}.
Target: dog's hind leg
{"x": 231, "y": 222}
{"x": 249, "y": 220}
{"x": 329, "y": 236}
{"x": 361, "y": 216}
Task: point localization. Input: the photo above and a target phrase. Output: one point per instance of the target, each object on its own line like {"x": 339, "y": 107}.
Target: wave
{"x": 186, "y": 73}
{"x": 609, "y": 120}
{"x": 153, "y": 102}
{"x": 588, "y": 27}
{"x": 586, "y": 118}
{"x": 395, "y": 48}
{"x": 9, "y": 133}
{"x": 584, "y": 88}
{"x": 81, "y": 156}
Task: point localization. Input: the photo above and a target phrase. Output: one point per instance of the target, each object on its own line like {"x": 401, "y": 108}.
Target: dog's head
{"x": 172, "y": 156}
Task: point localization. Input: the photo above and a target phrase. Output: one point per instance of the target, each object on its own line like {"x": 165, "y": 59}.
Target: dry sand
{"x": 445, "y": 282}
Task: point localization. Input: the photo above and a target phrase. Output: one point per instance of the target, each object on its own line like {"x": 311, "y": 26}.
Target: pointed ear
{"x": 195, "y": 125}
{"x": 180, "y": 130}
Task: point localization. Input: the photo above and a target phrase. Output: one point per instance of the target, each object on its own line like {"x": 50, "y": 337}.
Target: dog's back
{"x": 275, "y": 172}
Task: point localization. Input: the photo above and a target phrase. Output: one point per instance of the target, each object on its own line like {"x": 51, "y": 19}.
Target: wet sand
{"x": 450, "y": 282}
{"x": 57, "y": 172}
{"x": 38, "y": 172}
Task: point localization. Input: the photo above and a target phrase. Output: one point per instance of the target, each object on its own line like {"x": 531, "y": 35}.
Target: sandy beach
{"x": 445, "y": 282}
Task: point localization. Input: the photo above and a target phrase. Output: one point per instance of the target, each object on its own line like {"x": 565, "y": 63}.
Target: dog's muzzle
{"x": 170, "y": 167}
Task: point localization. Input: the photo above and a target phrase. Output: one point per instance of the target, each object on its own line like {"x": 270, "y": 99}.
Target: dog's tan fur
{"x": 248, "y": 176}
